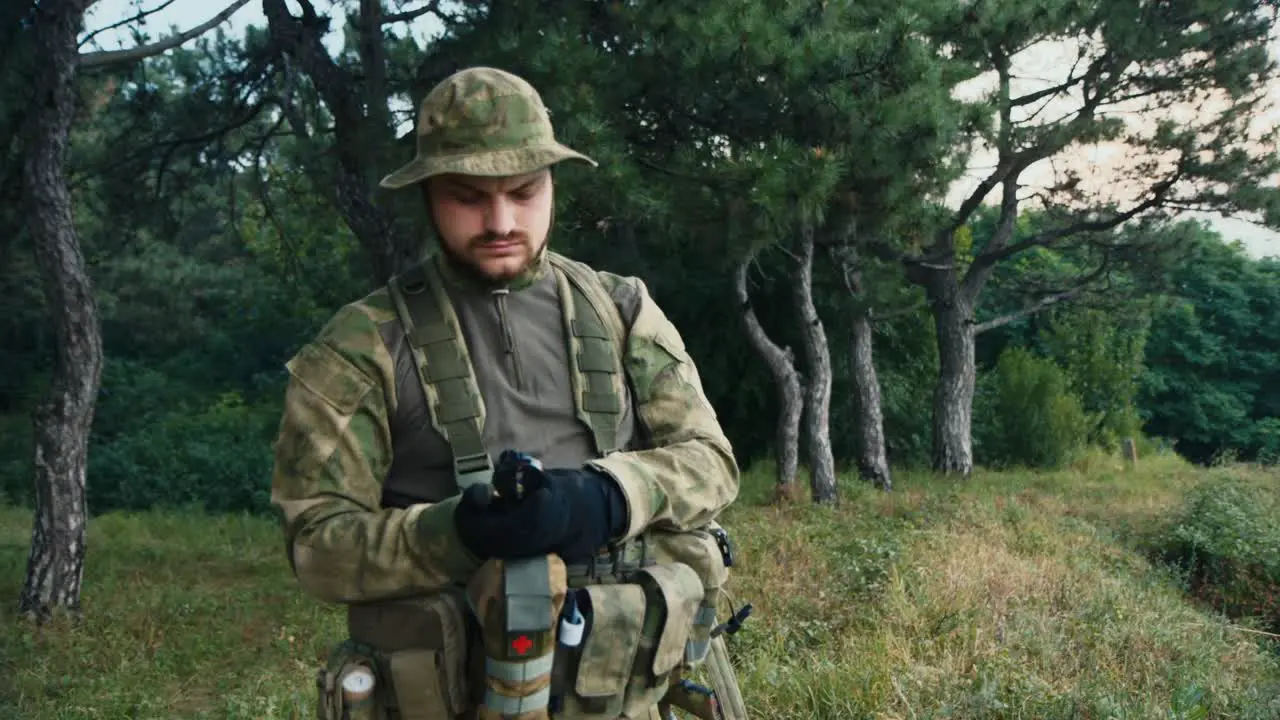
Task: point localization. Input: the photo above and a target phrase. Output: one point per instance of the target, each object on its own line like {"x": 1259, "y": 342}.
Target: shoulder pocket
{"x": 324, "y": 372}
{"x": 648, "y": 357}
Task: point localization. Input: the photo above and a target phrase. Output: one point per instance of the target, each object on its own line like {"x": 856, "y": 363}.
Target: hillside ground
{"x": 1009, "y": 595}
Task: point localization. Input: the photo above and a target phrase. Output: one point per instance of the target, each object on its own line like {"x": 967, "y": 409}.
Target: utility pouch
{"x": 345, "y": 660}
{"x": 518, "y": 603}
{"x": 635, "y": 637}
{"x": 705, "y": 554}
{"x": 421, "y": 645}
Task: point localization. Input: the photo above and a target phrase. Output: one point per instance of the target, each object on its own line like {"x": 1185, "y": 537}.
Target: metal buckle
{"x": 726, "y": 547}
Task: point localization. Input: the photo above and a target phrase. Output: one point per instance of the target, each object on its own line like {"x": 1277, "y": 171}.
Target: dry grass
{"x": 1011, "y": 595}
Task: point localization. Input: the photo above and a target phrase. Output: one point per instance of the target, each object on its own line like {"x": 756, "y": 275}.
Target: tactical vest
{"x": 652, "y": 600}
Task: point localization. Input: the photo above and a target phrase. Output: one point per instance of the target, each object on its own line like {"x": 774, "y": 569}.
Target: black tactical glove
{"x": 572, "y": 513}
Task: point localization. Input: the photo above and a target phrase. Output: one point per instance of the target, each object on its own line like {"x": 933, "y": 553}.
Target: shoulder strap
{"x": 440, "y": 355}
{"x": 597, "y": 341}
{"x": 588, "y": 283}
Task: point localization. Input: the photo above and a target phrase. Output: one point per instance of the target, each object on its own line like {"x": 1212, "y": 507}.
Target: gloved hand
{"x": 569, "y": 512}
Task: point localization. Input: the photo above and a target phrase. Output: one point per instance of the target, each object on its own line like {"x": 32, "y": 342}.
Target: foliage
{"x": 1138, "y": 73}
{"x": 216, "y": 458}
{"x": 1027, "y": 414}
{"x": 1213, "y": 358}
{"x": 1226, "y": 541}
{"x": 1101, "y": 354}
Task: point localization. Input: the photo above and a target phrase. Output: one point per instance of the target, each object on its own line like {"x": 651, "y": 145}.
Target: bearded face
{"x": 494, "y": 227}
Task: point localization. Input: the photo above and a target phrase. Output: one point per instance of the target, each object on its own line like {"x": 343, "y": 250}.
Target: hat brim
{"x": 496, "y": 163}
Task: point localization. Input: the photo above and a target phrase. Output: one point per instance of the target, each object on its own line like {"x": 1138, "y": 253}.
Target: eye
{"x": 525, "y": 193}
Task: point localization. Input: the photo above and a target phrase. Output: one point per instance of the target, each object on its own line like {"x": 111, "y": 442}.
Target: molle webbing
{"x": 618, "y": 563}
{"x": 444, "y": 368}
{"x": 595, "y": 367}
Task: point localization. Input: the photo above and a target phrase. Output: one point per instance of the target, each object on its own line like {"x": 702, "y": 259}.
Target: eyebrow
{"x": 529, "y": 184}
{"x": 464, "y": 185}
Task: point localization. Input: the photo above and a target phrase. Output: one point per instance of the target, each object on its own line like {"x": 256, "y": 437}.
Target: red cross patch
{"x": 521, "y": 644}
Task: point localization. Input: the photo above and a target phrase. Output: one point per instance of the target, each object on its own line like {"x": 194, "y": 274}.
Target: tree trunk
{"x": 62, "y": 423}
{"x": 873, "y": 463}
{"x": 822, "y": 466}
{"x": 782, "y": 365}
{"x": 953, "y": 396}
{"x": 362, "y": 139}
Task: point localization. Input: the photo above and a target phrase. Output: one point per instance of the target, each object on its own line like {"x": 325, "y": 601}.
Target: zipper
{"x": 508, "y": 337}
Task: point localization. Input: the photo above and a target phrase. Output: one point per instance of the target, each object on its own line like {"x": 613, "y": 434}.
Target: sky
{"x": 1036, "y": 68}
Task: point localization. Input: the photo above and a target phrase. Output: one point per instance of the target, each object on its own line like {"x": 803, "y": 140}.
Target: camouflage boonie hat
{"x": 482, "y": 121}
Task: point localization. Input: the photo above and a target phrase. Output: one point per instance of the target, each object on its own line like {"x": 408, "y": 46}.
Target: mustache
{"x": 494, "y": 238}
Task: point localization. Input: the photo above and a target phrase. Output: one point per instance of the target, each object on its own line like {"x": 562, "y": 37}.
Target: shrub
{"x": 1025, "y": 414}
{"x": 1227, "y": 544}
{"x": 15, "y": 459}
{"x": 1268, "y": 441}
{"x": 218, "y": 459}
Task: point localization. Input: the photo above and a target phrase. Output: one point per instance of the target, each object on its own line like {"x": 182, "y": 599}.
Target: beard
{"x": 478, "y": 260}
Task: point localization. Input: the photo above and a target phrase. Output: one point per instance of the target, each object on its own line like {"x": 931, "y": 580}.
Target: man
{"x": 396, "y": 413}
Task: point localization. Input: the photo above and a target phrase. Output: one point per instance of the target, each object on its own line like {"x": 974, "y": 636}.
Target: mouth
{"x": 498, "y": 246}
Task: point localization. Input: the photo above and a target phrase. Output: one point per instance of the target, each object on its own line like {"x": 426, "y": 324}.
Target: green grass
{"x": 1013, "y": 595}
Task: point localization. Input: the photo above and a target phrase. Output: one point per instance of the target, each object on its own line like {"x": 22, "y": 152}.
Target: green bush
{"x": 1227, "y": 544}
{"x": 1025, "y": 414}
{"x": 1101, "y": 357}
{"x": 15, "y": 459}
{"x": 218, "y": 459}
{"x": 1267, "y": 433}
{"x": 134, "y": 395}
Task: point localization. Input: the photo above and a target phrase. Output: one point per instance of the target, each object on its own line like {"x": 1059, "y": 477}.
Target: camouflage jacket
{"x": 363, "y": 483}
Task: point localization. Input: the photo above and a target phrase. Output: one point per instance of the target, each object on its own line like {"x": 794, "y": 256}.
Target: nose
{"x": 500, "y": 217}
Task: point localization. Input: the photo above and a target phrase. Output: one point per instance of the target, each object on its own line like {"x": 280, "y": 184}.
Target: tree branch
{"x": 899, "y": 312}
{"x": 126, "y": 21}
{"x": 113, "y": 57}
{"x": 1050, "y": 91}
{"x": 1047, "y": 300}
{"x": 286, "y": 101}
{"x": 336, "y": 86}
{"x": 1011, "y": 163}
{"x": 846, "y": 257}
{"x": 1031, "y": 309}
{"x": 408, "y": 15}
{"x": 358, "y": 144}
{"x": 708, "y": 180}
{"x": 1049, "y": 237}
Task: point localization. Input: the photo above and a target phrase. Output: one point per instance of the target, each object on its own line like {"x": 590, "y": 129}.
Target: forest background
{"x": 925, "y": 240}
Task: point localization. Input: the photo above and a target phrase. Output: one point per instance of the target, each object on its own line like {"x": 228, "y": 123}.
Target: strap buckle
{"x": 726, "y": 547}
{"x": 472, "y": 470}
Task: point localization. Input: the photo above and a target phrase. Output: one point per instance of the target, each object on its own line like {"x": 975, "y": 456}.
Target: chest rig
{"x": 595, "y": 334}
{"x": 517, "y": 601}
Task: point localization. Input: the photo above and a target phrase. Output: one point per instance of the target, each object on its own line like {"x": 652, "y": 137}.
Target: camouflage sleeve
{"x": 331, "y": 455}
{"x": 688, "y": 474}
